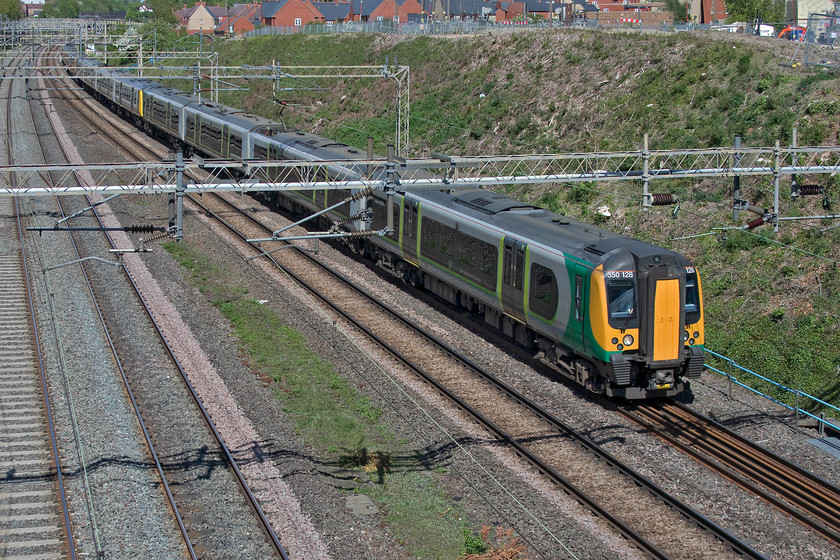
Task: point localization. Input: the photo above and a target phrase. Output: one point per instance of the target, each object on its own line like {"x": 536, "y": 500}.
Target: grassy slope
{"x": 772, "y": 307}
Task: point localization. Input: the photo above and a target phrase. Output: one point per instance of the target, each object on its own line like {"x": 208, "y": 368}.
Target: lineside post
{"x": 794, "y": 144}
{"x": 390, "y": 184}
{"x": 777, "y": 156}
{"x": 176, "y": 201}
{"x": 736, "y": 181}
{"x": 647, "y": 201}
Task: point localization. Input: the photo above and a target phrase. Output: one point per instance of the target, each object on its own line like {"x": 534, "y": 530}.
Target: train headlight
{"x": 627, "y": 340}
{"x": 685, "y": 336}
{"x": 695, "y": 335}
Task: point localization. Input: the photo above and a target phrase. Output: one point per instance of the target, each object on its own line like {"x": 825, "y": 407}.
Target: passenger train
{"x": 619, "y": 316}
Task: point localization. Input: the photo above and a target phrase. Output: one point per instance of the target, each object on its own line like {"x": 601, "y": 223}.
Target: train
{"x": 619, "y": 316}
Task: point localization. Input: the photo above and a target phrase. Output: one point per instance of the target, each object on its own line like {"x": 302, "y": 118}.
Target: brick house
{"x": 377, "y": 10}
{"x": 290, "y": 13}
{"x": 646, "y": 13}
{"x": 335, "y": 12}
{"x": 708, "y": 11}
{"x": 241, "y": 19}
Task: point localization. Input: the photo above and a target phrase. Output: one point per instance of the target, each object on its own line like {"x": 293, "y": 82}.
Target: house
{"x": 472, "y": 9}
{"x": 510, "y": 11}
{"x": 713, "y": 11}
{"x": 290, "y": 13}
{"x": 31, "y": 9}
{"x": 240, "y": 19}
{"x": 394, "y": 10}
{"x": 198, "y": 19}
{"x": 624, "y": 11}
{"x": 335, "y": 12}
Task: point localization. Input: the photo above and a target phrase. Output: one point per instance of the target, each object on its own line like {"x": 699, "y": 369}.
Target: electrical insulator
{"x": 136, "y": 228}
{"x": 755, "y": 209}
{"x": 661, "y": 199}
{"x": 752, "y": 224}
{"x": 359, "y": 233}
{"x": 807, "y": 190}
{"x": 361, "y": 194}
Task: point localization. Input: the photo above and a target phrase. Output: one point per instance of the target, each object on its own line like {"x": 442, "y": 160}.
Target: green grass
{"x": 414, "y": 516}
{"x": 341, "y": 424}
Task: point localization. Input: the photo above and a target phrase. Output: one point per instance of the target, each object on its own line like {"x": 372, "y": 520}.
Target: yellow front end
{"x": 666, "y": 316}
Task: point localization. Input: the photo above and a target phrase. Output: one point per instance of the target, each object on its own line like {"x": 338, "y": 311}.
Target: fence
{"x": 456, "y": 27}
{"x": 815, "y": 403}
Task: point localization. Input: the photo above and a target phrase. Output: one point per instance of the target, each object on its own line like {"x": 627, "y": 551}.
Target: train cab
{"x": 647, "y": 321}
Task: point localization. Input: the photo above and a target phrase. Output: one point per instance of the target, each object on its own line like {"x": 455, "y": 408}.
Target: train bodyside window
{"x": 235, "y": 145}
{"x": 543, "y": 298}
{"x": 447, "y": 240}
{"x": 489, "y": 264}
{"x": 380, "y": 211}
{"x": 410, "y": 219}
{"x": 467, "y": 246}
{"x": 211, "y": 136}
{"x": 429, "y": 235}
{"x": 578, "y": 297}
{"x": 190, "y": 132}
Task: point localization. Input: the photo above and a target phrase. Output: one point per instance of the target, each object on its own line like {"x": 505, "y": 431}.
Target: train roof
{"x": 172, "y": 95}
{"x": 326, "y": 148}
{"x": 572, "y": 237}
{"x": 233, "y": 116}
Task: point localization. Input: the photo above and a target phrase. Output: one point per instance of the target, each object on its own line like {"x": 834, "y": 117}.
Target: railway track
{"x": 800, "y": 494}
{"x": 194, "y": 498}
{"x": 614, "y": 492}
{"x": 34, "y": 514}
{"x": 829, "y": 532}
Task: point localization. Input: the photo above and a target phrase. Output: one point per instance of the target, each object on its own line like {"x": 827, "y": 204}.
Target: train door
{"x": 661, "y": 329}
{"x": 513, "y": 278}
{"x": 225, "y": 140}
{"x": 410, "y": 223}
{"x": 574, "y": 329}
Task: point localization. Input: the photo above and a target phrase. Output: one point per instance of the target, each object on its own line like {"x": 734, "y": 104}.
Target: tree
{"x": 770, "y": 11}
{"x": 679, "y": 10}
{"x": 11, "y": 9}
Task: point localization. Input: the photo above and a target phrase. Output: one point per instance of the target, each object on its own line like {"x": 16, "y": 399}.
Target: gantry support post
{"x": 777, "y": 162}
{"x": 647, "y": 200}
{"x": 736, "y": 181}
{"x": 176, "y": 200}
{"x": 390, "y": 186}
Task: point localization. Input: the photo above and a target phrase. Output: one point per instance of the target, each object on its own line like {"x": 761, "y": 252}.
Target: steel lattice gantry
{"x": 439, "y": 172}
{"x": 221, "y": 77}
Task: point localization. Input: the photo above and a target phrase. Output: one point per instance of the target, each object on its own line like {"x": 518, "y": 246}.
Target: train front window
{"x": 621, "y": 299}
{"x": 692, "y": 298}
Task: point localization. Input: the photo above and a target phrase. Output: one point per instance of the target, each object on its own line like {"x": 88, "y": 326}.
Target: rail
{"x": 821, "y": 419}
